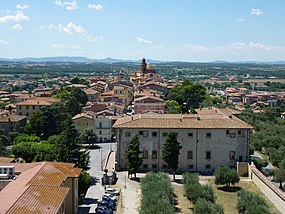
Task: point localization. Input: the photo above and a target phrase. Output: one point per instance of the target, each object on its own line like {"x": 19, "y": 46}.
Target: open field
{"x": 264, "y": 80}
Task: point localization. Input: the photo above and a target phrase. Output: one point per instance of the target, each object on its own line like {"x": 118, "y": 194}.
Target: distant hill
{"x": 111, "y": 60}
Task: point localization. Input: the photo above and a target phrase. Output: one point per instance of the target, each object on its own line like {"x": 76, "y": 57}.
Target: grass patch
{"x": 229, "y": 198}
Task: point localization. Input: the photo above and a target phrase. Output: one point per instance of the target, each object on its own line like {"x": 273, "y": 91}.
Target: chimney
{"x": 230, "y": 116}
{"x": 198, "y": 118}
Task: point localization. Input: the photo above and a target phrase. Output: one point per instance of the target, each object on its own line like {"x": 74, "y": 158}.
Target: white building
{"x": 210, "y": 139}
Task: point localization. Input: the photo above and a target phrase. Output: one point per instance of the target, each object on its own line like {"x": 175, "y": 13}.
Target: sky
{"x": 169, "y": 30}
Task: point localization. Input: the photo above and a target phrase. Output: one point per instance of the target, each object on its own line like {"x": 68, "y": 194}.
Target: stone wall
{"x": 273, "y": 193}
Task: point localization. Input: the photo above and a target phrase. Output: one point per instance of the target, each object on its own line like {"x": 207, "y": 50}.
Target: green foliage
{"x": 259, "y": 162}
{"x": 173, "y": 107}
{"x": 194, "y": 190}
{"x": 84, "y": 182}
{"x": 251, "y": 203}
{"x": 133, "y": 155}
{"x": 171, "y": 152}
{"x": 26, "y": 138}
{"x": 45, "y": 152}
{"x": 75, "y": 101}
{"x": 187, "y": 95}
{"x": 157, "y": 194}
{"x": 226, "y": 176}
{"x": 203, "y": 206}
{"x": 88, "y": 136}
{"x": 76, "y": 80}
{"x": 269, "y": 135}
{"x": 48, "y": 121}
{"x": 25, "y": 150}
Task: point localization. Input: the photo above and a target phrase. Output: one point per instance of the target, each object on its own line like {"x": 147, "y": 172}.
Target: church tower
{"x": 143, "y": 67}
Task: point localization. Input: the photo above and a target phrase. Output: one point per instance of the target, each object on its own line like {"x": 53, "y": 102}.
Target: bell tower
{"x": 143, "y": 67}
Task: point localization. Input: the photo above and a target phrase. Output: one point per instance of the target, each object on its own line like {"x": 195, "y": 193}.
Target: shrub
{"x": 251, "y": 203}
{"x": 156, "y": 187}
{"x": 226, "y": 176}
{"x": 203, "y": 206}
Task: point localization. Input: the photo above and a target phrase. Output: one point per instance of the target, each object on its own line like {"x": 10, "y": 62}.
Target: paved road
{"x": 95, "y": 192}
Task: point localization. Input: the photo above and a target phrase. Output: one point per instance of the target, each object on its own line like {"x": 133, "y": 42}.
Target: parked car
{"x": 112, "y": 191}
{"x": 113, "y": 197}
{"x": 108, "y": 204}
{"x": 103, "y": 210}
{"x": 106, "y": 198}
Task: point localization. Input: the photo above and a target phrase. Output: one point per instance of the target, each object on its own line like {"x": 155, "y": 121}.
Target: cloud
{"x": 241, "y": 19}
{"x": 92, "y": 38}
{"x": 20, "y": 16}
{"x": 71, "y": 28}
{"x": 3, "y": 42}
{"x": 96, "y": 6}
{"x": 17, "y": 27}
{"x": 142, "y": 40}
{"x": 22, "y": 7}
{"x": 69, "y": 5}
{"x": 60, "y": 46}
{"x": 256, "y": 12}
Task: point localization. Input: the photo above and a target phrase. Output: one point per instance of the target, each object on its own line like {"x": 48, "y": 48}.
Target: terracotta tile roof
{"x": 12, "y": 118}
{"x": 40, "y": 101}
{"x": 67, "y": 169}
{"x": 37, "y": 200}
{"x": 150, "y": 98}
{"x": 91, "y": 91}
{"x": 20, "y": 167}
{"x": 48, "y": 175}
{"x": 86, "y": 115}
{"x": 6, "y": 160}
{"x": 177, "y": 121}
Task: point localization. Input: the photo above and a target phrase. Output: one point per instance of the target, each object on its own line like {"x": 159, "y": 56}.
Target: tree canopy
{"x": 226, "y": 176}
{"x": 171, "y": 152}
{"x": 188, "y": 95}
{"x": 133, "y": 155}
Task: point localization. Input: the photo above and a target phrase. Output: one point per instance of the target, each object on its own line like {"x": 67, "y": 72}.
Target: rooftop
{"x": 207, "y": 119}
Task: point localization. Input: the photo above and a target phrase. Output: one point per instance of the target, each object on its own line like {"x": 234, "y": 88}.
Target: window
{"x": 190, "y": 154}
{"x": 208, "y": 166}
{"x": 227, "y": 132}
{"x": 154, "y": 134}
{"x": 100, "y": 132}
{"x": 164, "y": 166}
{"x": 140, "y": 132}
{"x": 145, "y": 166}
{"x": 232, "y": 155}
{"x": 127, "y": 134}
{"x": 164, "y": 134}
{"x": 33, "y": 107}
{"x": 239, "y": 132}
{"x": 27, "y": 107}
{"x": 190, "y": 166}
{"x": 154, "y": 154}
{"x": 145, "y": 154}
{"x": 208, "y": 134}
{"x": 208, "y": 155}
{"x": 154, "y": 166}
{"x": 27, "y": 114}
{"x": 100, "y": 125}
{"x": 190, "y": 134}
{"x": 145, "y": 133}
{"x": 20, "y": 107}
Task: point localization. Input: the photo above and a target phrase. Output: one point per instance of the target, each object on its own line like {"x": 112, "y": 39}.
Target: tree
{"x": 25, "y": 150}
{"x": 226, "y": 176}
{"x": 88, "y": 136}
{"x": 133, "y": 155}
{"x": 171, "y": 152}
{"x": 84, "y": 182}
{"x": 203, "y": 206}
{"x": 173, "y": 107}
{"x": 187, "y": 95}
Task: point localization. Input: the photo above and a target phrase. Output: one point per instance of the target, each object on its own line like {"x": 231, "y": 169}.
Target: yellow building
{"x": 32, "y": 105}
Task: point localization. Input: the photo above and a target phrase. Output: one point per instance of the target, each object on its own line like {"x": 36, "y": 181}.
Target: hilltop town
{"x": 73, "y": 129}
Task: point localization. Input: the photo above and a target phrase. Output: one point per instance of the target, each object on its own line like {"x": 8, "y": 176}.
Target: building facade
{"x": 208, "y": 140}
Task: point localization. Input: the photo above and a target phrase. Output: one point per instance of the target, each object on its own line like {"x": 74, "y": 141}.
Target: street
{"x": 95, "y": 192}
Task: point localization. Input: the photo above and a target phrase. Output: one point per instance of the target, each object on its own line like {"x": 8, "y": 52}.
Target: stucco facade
{"x": 207, "y": 142}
